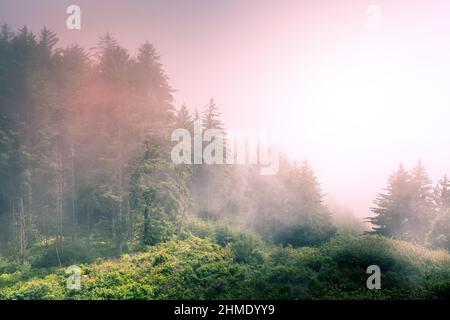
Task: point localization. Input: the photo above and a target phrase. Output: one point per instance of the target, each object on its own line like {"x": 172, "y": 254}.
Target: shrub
{"x": 304, "y": 235}
{"x": 245, "y": 267}
{"x": 66, "y": 253}
{"x": 51, "y": 287}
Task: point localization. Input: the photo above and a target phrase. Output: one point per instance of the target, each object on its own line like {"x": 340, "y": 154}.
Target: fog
{"x": 354, "y": 101}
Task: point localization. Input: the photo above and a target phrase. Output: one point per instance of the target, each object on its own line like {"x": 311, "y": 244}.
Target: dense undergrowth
{"x": 211, "y": 260}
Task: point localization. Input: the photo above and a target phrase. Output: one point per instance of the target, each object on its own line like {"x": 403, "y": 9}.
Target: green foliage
{"x": 405, "y": 267}
{"x": 158, "y": 195}
{"x": 439, "y": 236}
{"x": 247, "y": 247}
{"x": 66, "y": 253}
{"x": 195, "y": 268}
{"x": 70, "y": 130}
{"x": 304, "y": 235}
{"x": 85, "y": 174}
{"x": 7, "y": 266}
{"x": 406, "y": 209}
{"x": 49, "y": 288}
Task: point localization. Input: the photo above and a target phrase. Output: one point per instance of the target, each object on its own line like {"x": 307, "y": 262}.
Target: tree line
{"x": 85, "y": 158}
{"x": 413, "y": 209}
{"x": 86, "y": 172}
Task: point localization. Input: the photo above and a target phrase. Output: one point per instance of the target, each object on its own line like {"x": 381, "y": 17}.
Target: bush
{"x": 306, "y": 235}
{"x": 49, "y": 288}
{"x": 439, "y": 236}
{"x": 245, "y": 267}
{"x": 67, "y": 253}
{"x": 247, "y": 247}
{"x": 188, "y": 269}
{"x": 199, "y": 228}
{"x": 405, "y": 267}
{"x": 8, "y": 266}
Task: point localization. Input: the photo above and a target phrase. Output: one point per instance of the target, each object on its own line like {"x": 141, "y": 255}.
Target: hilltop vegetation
{"x": 215, "y": 261}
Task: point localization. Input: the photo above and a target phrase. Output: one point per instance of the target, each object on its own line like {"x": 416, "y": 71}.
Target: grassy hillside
{"x": 213, "y": 261}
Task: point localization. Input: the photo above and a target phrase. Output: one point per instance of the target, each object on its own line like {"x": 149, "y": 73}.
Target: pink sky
{"x": 354, "y": 101}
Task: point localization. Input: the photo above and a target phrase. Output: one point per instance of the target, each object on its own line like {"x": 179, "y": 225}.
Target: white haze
{"x": 355, "y": 102}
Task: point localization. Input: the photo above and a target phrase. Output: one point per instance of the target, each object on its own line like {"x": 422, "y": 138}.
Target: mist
{"x": 224, "y": 149}
{"x": 355, "y": 102}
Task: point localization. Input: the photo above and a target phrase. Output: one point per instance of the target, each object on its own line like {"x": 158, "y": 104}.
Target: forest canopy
{"x": 86, "y": 155}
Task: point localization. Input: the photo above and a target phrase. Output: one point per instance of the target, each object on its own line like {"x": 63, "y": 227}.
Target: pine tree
{"x": 211, "y": 117}
{"x": 196, "y": 115}
{"x": 114, "y": 61}
{"x": 5, "y": 33}
{"x": 310, "y": 196}
{"x": 439, "y": 235}
{"x": 393, "y": 208}
{"x": 47, "y": 42}
{"x": 306, "y": 220}
{"x": 159, "y": 194}
{"x": 406, "y": 209}
{"x": 441, "y": 194}
{"x": 184, "y": 119}
{"x": 422, "y": 206}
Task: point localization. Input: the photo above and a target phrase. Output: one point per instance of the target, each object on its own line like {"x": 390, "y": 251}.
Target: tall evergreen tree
{"x": 393, "y": 208}
{"x": 441, "y": 194}
{"x": 47, "y": 42}
{"x": 406, "y": 209}
{"x": 211, "y": 116}
{"x": 184, "y": 118}
{"x": 439, "y": 235}
{"x": 422, "y": 206}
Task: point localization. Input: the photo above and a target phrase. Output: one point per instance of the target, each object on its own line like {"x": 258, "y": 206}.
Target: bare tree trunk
{"x": 119, "y": 233}
{"x": 114, "y": 223}
{"x": 30, "y": 203}
{"x": 146, "y": 224}
{"x": 14, "y": 225}
{"x": 74, "y": 218}
{"x": 89, "y": 224}
{"x": 131, "y": 227}
{"x": 59, "y": 194}
{"x": 22, "y": 231}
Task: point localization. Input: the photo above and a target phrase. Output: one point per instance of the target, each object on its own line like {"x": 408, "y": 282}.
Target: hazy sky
{"x": 353, "y": 100}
